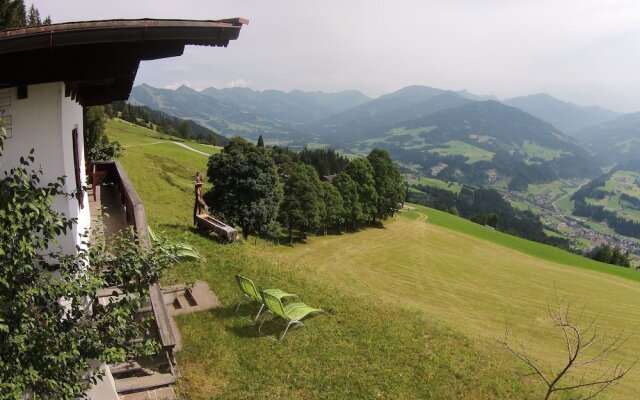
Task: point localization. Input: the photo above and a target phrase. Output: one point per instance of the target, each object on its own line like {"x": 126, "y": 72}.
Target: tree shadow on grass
{"x": 242, "y": 325}
{"x": 376, "y": 225}
{"x": 197, "y": 231}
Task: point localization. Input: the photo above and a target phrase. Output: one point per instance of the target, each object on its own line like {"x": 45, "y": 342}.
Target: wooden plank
{"x": 144, "y": 382}
{"x": 165, "y": 333}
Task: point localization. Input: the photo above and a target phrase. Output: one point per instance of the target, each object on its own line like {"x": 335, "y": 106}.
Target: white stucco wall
{"x": 44, "y": 121}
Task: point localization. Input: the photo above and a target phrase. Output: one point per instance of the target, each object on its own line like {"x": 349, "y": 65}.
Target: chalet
{"x": 47, "y": 75}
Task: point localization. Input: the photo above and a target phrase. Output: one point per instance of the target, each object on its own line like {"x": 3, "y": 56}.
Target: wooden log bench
{"x": 205, "y": 221}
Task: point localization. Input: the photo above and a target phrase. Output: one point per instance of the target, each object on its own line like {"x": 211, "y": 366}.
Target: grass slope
{"x": 412, "y": 309}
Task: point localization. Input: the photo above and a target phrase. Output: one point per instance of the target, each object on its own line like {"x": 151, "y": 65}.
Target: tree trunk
{"x": 245, "y": 233}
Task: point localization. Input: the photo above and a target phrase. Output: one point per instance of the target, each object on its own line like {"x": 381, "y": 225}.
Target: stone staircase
{"x": 153, "y": 377}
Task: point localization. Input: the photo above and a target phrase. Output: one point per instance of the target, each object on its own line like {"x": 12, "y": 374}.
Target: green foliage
{"x": 246, "y": 189}
{"x": 13, "y": 14}
{"x": 184, "y": 130}
{"x": 302, "y": 206}
{"x": 326, "y": 161}
{"x": 181, "y": 250}
{"x": 361, "y": 171}
{"x": 334, "y": 212}
{"x": 353, "y": 216}
{"x": 49, "y": 326}
{"x": 94, "y": 120}
{"x": 260, "y": 141}
{"x": 388, "y": 184}
{"x": 104, "y": 151}
{"x": 607, "y": 254}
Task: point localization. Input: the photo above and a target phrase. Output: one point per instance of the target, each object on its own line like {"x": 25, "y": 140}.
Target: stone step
{"x": 140, "y": 383}
{"x": 125, "y": 367}
{"x": 165, "y": 393}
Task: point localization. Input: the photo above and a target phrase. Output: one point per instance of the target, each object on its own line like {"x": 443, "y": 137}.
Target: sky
{"x": 582, "y": 51}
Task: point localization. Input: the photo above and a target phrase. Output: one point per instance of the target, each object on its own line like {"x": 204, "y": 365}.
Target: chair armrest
{"x": 280, "y": 294}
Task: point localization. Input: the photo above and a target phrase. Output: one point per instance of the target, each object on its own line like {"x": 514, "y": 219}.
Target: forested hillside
{"x": 615, "y": 141}
{"x": 481, "y": 142}
{"x": 613, "y": 198}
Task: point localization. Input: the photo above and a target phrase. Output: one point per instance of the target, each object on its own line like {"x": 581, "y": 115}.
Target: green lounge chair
{"x": 291, "y": 312}
{"x": 250, "y": 294}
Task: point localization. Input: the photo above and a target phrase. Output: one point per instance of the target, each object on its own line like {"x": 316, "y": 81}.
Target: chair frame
{"x": 284, "y": 316}
{"x": 248, "y": 299}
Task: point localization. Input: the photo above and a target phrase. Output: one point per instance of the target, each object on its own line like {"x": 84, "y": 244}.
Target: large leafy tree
{"x": 94, "y": 123}
{"x": 303, "y": 205}
{"x": 49, "y": 326}
{"x": 348, "y": 189}
{"x": 333, "y": 212}
{"x": 246, "y": 189}
{"x": 361, "y": 171}
{"x": 388, "y": 184}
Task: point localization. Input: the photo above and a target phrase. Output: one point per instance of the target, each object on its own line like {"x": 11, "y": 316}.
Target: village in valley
{"x": 577, "y": 229}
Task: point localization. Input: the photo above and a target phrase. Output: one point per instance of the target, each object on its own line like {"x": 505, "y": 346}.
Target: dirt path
{"x": 178, "y": 143}
{"x": 191, "y": 148}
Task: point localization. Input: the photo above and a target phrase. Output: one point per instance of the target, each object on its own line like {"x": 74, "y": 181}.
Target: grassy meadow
{"x": 412, "y": 308}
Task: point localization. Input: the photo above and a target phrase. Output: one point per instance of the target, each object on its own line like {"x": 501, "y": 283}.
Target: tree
{"x": 302, "y": 204}
{"x": 585, "y": 347}
{"x": 246, "y": 189}
{"x": 260, "y": 141}
{"x": 49, "y": 325}
{"x": 333, "y": 213}
{"x": 94, "y": 123}
{"x": 33, "y": 16}
{"x": 348, "y": 190}
{"x": 13, "y": 14}
{"x": 184, "y": 130}
{"x": 361, "y": 171}
{"x": 388, "y": 184}
{"x": 607, "y": 254}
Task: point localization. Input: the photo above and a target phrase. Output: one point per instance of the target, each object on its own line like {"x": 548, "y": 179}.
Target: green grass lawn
{"x": 456, "y": 147}
{"x": 423, "y": 180}
{"x": 129, "y": 134}
{"x": 534, "y": 150}
{"x": 412, "y": 309}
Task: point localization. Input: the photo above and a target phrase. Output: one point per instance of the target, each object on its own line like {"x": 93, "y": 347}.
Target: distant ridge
{"x": 616, "y": 141}
{"x": 376, "y": 116}
{"x": 568, "y": 117}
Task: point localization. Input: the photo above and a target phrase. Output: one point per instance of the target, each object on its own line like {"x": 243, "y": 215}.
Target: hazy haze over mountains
{"x": 474, "y": 141}
{"x": 583, "y": 51}
{"x": 617, "y": 140}
{"x": 567, "y": 117}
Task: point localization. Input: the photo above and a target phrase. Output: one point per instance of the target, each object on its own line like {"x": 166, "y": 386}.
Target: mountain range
{"x": 569, "y": 118}
{"x": 461, "y": 135}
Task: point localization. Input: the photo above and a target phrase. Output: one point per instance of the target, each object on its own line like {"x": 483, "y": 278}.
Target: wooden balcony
{"x": 115, "y": 202}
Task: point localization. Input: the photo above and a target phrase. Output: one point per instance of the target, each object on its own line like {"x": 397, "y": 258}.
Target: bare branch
{"x": 577, "y": 341}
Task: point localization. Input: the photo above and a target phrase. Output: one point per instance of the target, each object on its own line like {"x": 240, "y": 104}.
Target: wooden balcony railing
{"x": 112, "y": 172}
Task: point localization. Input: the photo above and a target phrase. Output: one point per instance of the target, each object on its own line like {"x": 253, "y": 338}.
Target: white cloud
{"x": 238, "y": 83}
